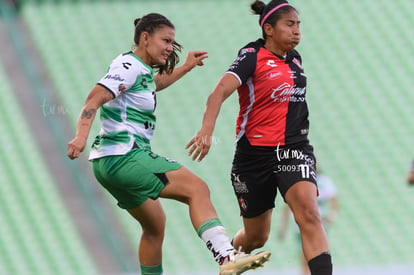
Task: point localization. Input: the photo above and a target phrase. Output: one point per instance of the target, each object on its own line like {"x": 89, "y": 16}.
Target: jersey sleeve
{"x": 121, "y": 75}
{"x": 245, "y": 63}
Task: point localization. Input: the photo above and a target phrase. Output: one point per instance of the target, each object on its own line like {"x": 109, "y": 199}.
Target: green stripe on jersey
{"x": 142, "y": 142}
{"x": 131, "y": 112}
{"x": 110, "y": 113}
{"x": 144, "y": 117}
{"x": 143, "y": 83}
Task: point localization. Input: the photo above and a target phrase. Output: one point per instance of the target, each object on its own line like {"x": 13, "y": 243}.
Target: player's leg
{"x": 186, "y": 187}
{"x": 254, "y": 233}
{"x": 128, "y": 180}
{"x": 151, "y": 217}
{"x": 297, "y": 184}
{"x": 254, "y": 186}
{"x": 141, "y": 176}
{"x": 302, "y": 200}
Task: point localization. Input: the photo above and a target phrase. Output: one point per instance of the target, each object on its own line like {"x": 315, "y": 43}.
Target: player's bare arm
{"x": 193, "y": 59}
{"x": 96, "y": 98}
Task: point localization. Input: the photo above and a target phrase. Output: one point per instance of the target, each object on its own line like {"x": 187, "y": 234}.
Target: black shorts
{"x": 258, "y": 171}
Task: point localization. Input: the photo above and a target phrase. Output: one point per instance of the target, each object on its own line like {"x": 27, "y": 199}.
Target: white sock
{"x": 217, "y": 242}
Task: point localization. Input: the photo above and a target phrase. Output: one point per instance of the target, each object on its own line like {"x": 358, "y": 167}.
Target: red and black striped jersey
{"x": 273, "y": 110}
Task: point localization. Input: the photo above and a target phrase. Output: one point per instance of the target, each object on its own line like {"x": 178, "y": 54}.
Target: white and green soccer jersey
{"x": 129, "y": 117}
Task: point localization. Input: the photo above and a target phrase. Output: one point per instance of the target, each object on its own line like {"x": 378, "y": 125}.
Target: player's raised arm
{"x": 193, "y": 59}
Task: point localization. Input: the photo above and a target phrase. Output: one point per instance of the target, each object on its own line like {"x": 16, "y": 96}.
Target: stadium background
{"x": 55, "y": 219}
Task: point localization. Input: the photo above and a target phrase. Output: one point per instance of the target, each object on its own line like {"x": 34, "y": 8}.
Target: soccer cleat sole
{"x": 259, "y": 262}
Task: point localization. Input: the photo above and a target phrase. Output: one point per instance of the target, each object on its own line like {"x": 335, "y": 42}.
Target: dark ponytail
{"x": 149, "y": 23}
{"x": 270, "y": 13}
{"x": 257, "y": 7}
{"x": 136, "y": 21}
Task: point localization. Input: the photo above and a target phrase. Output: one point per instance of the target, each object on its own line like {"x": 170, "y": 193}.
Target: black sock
{"x": 321, "y": 265}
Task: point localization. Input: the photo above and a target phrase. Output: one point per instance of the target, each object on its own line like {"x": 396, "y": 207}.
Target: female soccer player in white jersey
{"x": 123, "y": 161}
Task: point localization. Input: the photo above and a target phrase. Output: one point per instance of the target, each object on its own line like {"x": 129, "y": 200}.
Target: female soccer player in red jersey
{"x": 273, "y": 151}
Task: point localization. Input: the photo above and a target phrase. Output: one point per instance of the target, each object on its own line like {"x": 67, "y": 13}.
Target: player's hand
{"x": 195, "y": 58}
{"x": 75, "y": 147}
{"x": 199, "y": 145}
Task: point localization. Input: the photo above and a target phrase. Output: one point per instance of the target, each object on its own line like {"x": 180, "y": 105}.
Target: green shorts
{"x": 134, "y": 177}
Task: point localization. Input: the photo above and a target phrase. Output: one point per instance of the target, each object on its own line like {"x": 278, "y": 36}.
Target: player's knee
{"x": 196, "y": 192}
{"x": 308, "y": 217}
{"x": 153, "y": 235}
{"x": 200, "y": 190}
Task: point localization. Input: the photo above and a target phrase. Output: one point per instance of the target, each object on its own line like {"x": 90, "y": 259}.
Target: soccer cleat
{"x": 238, "y": 262}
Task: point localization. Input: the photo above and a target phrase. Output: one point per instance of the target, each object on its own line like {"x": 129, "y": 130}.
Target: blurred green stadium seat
{"x": 37, "y": 235}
